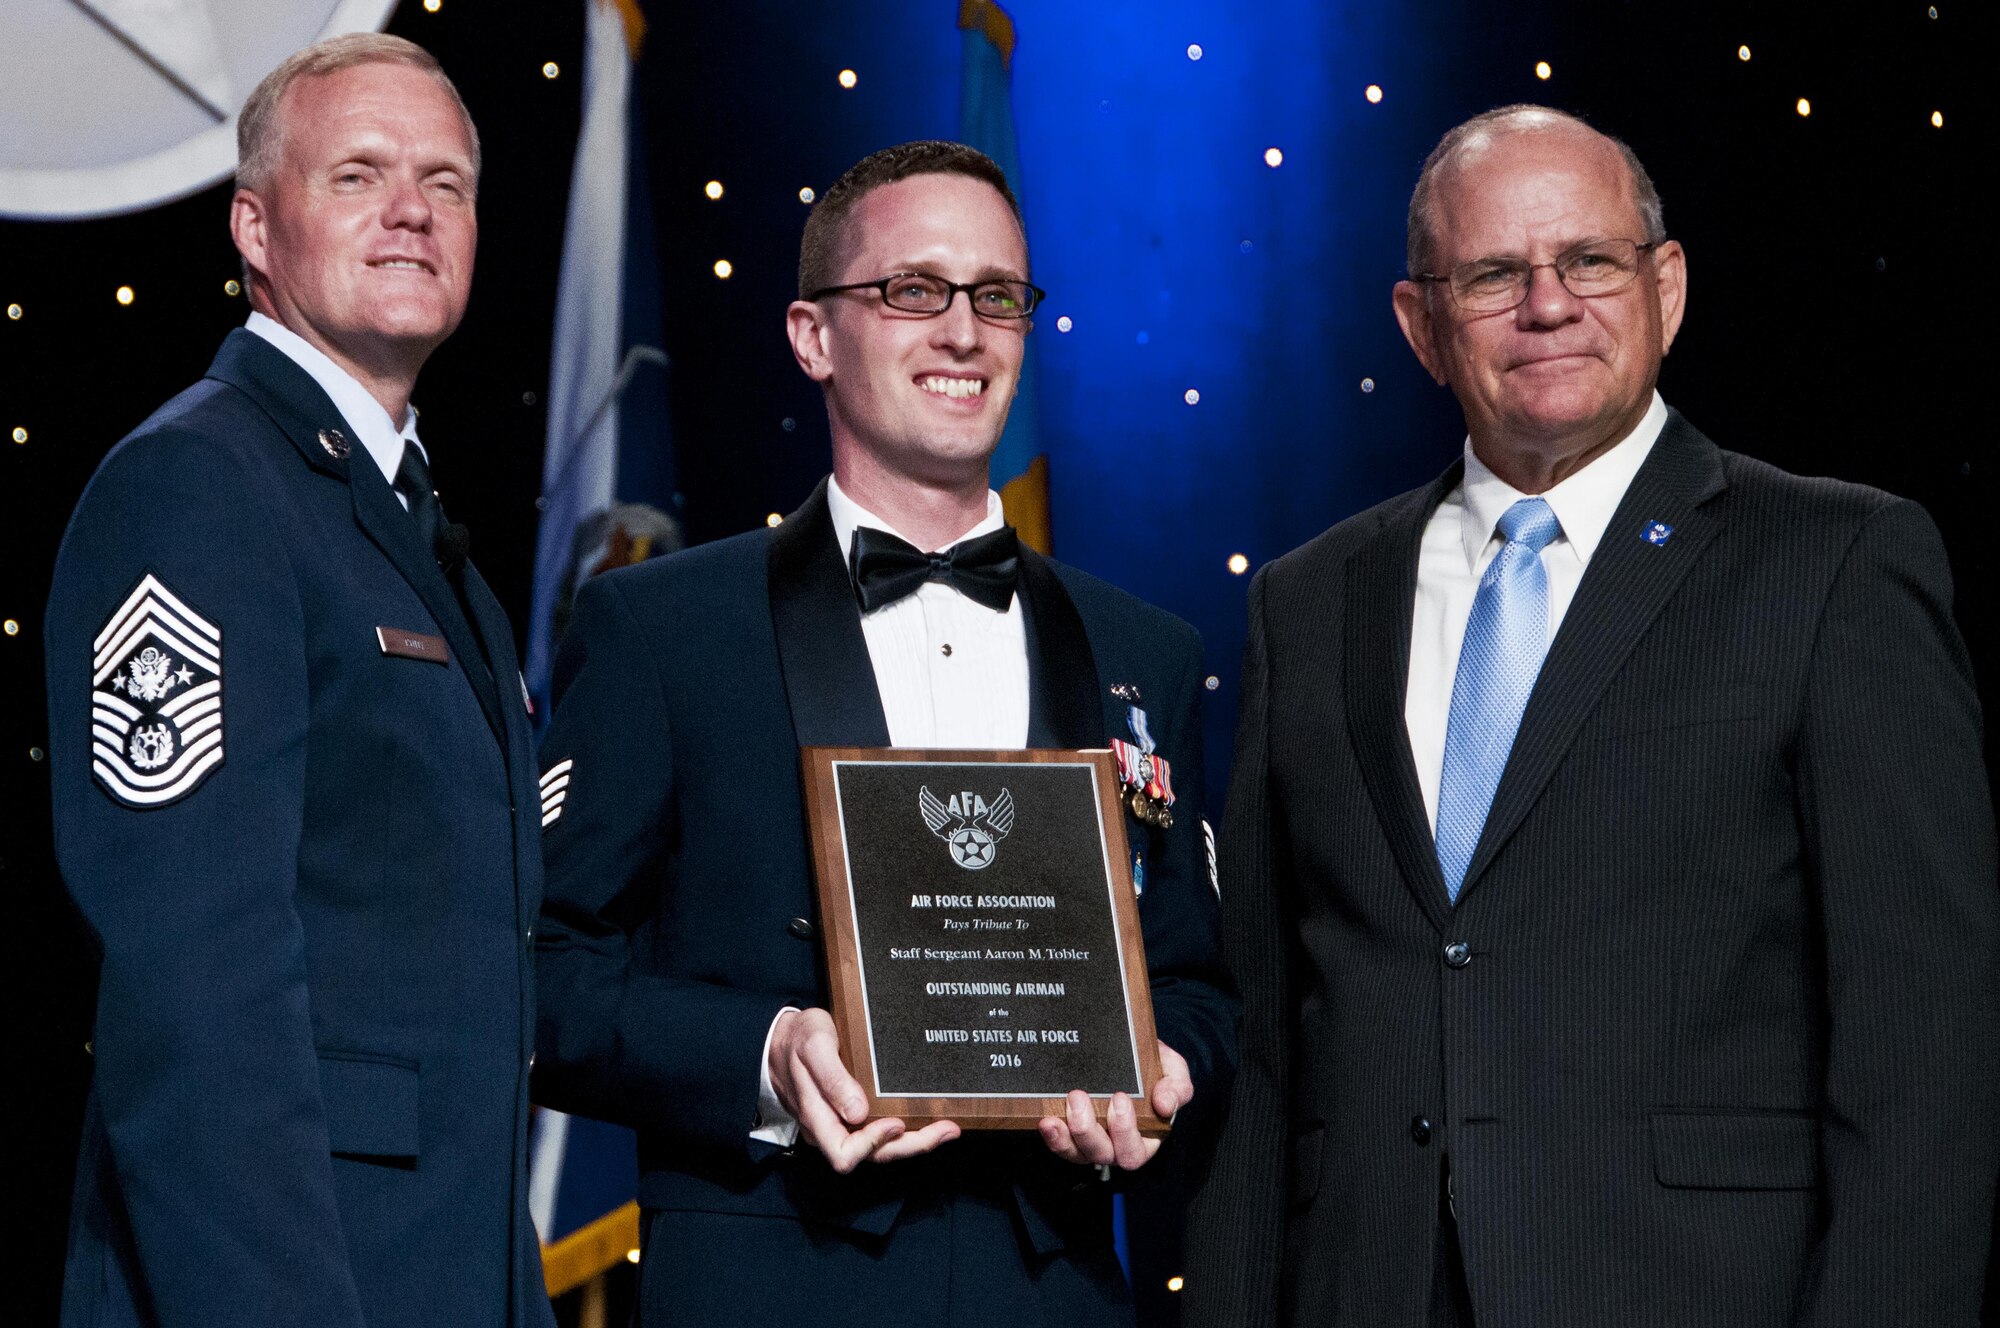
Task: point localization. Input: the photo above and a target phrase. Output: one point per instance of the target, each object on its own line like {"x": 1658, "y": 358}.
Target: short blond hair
{"x": 260, "y": 130}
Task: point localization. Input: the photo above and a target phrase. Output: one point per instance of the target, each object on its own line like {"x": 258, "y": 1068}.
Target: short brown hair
{"x": 821, "y": 248}
{"x": 1419, "y": 235}
{"x": 260, "y": 132}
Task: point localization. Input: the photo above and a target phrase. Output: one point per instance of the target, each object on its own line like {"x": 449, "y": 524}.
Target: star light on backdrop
{"x": 1064, "y": 323}
{"x": 551, "y": 69}
{"x": 1542, "y": 70}
{"x": 432, "y": 6}
{"x": 1192, "y": 397}
{"x": 713, "y": 189}
{"x": 13, "y": 628}
{"x": 20, "y": 434}
{"x": 1273, "y": 158}
{"x": 848, "y": 78}
{"x": 14, "y": 312}
{"x": 1368, "y": 385}
{"x": 1373, "y": 92}
{"x": 723, "y": 268}
{"x": 1194, "y": 50}
{"x": 1804, "y": 107}
{"x": 1238, "y": 564}
{"x": 125, "y": 295}
{"x": 806, "y": 196}
{"x": 1743, "y": 53}
{"x": 1937, "y": 119}
{"x": 775, "y": 519}
{"x": 232, "y": 287}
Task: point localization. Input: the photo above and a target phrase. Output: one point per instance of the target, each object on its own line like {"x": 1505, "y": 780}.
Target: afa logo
{"x": 970, "y": 827}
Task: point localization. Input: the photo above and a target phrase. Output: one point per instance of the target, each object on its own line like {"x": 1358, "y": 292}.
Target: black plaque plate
{"x": 982, "y": 932}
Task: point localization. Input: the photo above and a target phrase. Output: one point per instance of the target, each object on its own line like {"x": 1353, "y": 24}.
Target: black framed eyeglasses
{"x": 1495, "y": 285}
{"x": 922, "y": 293}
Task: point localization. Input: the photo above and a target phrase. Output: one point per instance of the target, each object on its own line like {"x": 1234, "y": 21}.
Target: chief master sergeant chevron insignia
{"x": 156, "y": 698}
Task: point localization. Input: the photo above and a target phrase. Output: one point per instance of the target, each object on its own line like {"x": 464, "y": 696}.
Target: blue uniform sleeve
{"x": 178, "y": 790}
{"x": 618, "y": 1039}
{"x": 1194, "y": 1003}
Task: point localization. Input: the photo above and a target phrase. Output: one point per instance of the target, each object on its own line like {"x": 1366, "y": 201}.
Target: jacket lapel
{"x": 296, "y": 404}
{"x": 1628, "y": 582}
{"x": 1065, "y": 708}
{"x": 383, "y": 519}
{"x": 829, "y": 679}
{"x": 1381, "y": 595}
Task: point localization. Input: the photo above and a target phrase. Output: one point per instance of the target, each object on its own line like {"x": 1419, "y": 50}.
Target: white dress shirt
{"x": 378, "y": 435}
{"x": 951, "y": 673}
{"x": 1463, "y": 536}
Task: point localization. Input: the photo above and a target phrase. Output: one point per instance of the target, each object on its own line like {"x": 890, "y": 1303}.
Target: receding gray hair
{"x": 1652, "y": 216}
{"x": 260, "y": 131}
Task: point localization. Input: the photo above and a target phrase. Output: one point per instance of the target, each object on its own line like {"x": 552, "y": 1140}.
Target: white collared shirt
{"x": 373, "y": 429}
{"x": 951, "y": 672}
{"x": 1462, "y": 537}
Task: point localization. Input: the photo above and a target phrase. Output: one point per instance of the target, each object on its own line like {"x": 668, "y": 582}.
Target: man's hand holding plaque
{"x": 813, "y": 1084}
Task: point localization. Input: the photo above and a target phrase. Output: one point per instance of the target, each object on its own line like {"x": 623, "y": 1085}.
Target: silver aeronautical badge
{"x": 156, "y": 698}
{"x": 335, "y": 443}
{"x": 970, "y": 828}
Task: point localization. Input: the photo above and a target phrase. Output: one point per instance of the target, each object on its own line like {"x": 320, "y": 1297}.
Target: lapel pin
{"x": 335, "y": 443}
{"x": 1126, "y": 692}
{"x": 1657, "y": 533}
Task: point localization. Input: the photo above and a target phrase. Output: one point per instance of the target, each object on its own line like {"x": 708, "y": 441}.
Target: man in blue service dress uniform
{"x": 682, "y": 986}
{"x": 294, "y": 783}
{"x": 1612, "y": 873}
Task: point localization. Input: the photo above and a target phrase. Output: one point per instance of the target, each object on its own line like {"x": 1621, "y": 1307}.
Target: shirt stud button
{"x": 946, "y": 649}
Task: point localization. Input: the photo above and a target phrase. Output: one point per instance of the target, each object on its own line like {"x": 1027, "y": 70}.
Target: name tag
{"x": 412, "y": 645}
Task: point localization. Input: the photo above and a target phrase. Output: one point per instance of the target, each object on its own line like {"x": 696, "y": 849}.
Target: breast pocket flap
{"x": 371, "y": 1104}
{"x": 1735, "y": 1151}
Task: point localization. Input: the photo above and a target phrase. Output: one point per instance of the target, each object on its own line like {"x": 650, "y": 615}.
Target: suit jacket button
{"x": 800, "y": 928}
{"x": 1458, "y": 954}
{"x": 1420, "y": 1130}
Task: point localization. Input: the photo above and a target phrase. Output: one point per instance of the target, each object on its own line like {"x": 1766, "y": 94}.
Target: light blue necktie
{"x": 1505, "y": 640}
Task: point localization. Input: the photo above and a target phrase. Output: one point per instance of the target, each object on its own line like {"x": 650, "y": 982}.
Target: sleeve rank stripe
{"x": 103, "y": 715}
{"x": 127, "y": 777}
{"x": 550, "y": 816}
{"x": 104, "y": 735}
{"x": 559, "y": 768}
{"x": 555, "y": 785}
{"x": 150, "y": 796}
{"x": 109, "y": 659}
{"x": 189, "y": 732}
{"x": 552, "y": 800}
{"x": 184, "y": 706}
{"x": 149, "y": 587}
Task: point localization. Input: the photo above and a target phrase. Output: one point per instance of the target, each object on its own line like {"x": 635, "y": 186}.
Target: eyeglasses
{"x": 922, "y": 293}
{"x": 1495, "y": 285}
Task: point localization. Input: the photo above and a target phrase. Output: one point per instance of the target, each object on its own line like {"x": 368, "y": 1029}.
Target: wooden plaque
{"x": 981, "y": 932}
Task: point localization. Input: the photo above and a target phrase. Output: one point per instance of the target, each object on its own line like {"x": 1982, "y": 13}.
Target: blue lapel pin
{"x": 1657, "y": 533}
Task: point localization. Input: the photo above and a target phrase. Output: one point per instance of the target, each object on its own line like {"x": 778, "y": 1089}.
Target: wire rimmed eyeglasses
{"x": 923, "y": 293}
{"x": 1588, "y": 270}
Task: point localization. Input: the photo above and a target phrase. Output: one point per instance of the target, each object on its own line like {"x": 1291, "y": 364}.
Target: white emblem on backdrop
{"x": 156, "y": 698}
{"x": 970, "y": 828}
{"x": 111, "y": 106}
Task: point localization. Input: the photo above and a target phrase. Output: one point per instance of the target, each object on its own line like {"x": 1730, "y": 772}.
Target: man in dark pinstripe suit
{"x": 1610, "y": 870}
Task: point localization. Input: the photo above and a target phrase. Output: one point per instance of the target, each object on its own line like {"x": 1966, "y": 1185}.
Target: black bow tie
{"x": 886, "y": 568}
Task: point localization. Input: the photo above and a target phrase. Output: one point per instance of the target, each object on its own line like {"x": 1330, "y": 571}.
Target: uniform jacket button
{"x": 1458, "y": 954}
{"x": 800, "y": 928}
{"x": 1420, "y": 1130}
